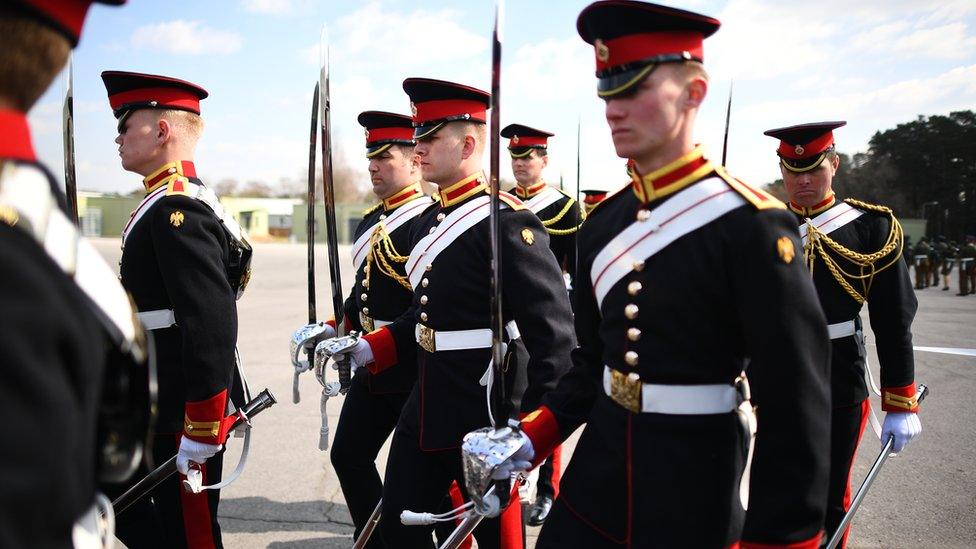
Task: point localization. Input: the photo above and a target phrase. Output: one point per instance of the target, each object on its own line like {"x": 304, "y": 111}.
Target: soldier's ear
{"x": 696, "y": 90}
{"x": 469, "y": 145}
{"x": 163, "y": 131}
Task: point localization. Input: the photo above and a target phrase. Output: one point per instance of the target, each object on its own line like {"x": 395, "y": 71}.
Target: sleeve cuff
{"x": 203, "y": 420}
{"x": 383, "y": 345}
{"x": 900, "y": 399}
{"x": 543, "y": 430}
{"x": 346, "y": 324}
{"x": 812, "y": 543}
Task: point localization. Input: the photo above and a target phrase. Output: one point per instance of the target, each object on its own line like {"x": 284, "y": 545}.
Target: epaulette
{"x": 866, "y": 206}
{"x": 372, "y": 209}
{"x": 512, "y": 201}
{"x": 177, "y": 187}
{"x": 757, "y": 197}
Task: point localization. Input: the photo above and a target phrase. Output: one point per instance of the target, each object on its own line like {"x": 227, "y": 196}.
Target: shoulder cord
{"x": 381, "y": 253}
{"x": 559, "y": 232}
{"x": 865, "y": 262}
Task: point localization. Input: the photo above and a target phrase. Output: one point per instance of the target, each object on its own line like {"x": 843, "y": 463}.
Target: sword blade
{"x": 68, "y": 128}
{"x": 728, "y": 118}
{"x": 310, "y": 199}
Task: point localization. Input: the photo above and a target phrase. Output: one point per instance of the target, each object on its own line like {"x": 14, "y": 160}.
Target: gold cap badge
{"x": 784, "y": 247}
{"x": 528, "y": 237}
{"x": 799, "y": 149}
{"x": 602, "y": 51}
{"x": 176, "y": 218}
{"x": 515, "y": 139}
{"x": 413, "y": 109}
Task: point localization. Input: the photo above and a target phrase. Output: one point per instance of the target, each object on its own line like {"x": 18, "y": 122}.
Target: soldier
{"x": 658, "y": 376}
{"x": 381, "y": 293}
{"x": 967, "y": 267}
{"x": 854, "y": 251}
{"x": 947, "y": 257}
{"x": 449, "y": 270}
{"x": 561, "y": 216}
{"x": 921, "y": 257}
{"x": 185, "y": 261}
{"x": 67, "y": 324}
{"x": 592, "y": 198}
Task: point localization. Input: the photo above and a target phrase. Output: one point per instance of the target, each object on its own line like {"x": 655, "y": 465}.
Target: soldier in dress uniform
{"x": 659, "y": 376}
{"x": 67, "y": 324}
{"x": 592, "y": 197}
{"x": 561, "y": 216}
{"x": 381, "y": 293}
{"x": 922, "y": 266}
{"x": 854, "y": 251}
{"x": 947, "y": 257}
{"x": 967, "y": 267}
{"x": 185, "y": 261}
{"x": 449, "y": 270}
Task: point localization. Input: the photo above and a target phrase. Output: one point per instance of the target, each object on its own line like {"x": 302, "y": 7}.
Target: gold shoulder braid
{"x": 560, "y": 232}
{"x": 818, "y": 243}
{"x": 382, "y": 254}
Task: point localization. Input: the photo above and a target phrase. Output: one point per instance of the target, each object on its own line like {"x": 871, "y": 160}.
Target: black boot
{"x": 539, "y": 511}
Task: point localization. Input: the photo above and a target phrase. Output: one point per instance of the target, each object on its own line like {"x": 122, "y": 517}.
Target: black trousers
{"x": 366, "y": 420}
{"x": 417, "y": 480}
{"x": 170, "y": 517}
{"x": 846, "y": 427}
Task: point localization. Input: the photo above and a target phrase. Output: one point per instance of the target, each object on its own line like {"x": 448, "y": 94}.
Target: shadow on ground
{"x": 259, "y": 514}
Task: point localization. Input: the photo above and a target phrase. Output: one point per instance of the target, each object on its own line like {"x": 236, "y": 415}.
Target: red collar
{"x": 819, "y": 207}
{"x": 462, "y": 190}
{"x": 15, "y": 138}
{"x": 670, "y": 178}
{"x": 528, "y": 192}
{"x": 182, "y": 168}
{"x": 402, "y": 196}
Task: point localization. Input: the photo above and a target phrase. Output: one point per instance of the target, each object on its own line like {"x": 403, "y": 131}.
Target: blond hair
{"x": 31, "y": 55}
{"x": 186, "y": 124}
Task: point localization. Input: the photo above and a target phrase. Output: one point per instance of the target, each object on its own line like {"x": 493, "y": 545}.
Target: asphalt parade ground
{"x": 288, "y": 497}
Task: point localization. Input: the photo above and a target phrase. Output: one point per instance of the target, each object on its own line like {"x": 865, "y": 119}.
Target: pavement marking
{"x": 947, "y": 350}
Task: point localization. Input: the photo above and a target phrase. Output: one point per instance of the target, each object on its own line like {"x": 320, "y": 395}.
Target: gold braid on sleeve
{"x": 383, "y": 255}
{"x": 562, "y": 213}
{"x": 818, "y": 243}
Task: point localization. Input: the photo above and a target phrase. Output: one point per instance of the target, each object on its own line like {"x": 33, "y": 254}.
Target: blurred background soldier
{"x": 68, "y": 334}
{"x": 186, "y": 262}
{"x": 967, "y": 267}
{"x": 854, "y": 252}
{"x": 920, "y": 259}
{"x": 947, "y": 257}
{"x": 592, "y": 198}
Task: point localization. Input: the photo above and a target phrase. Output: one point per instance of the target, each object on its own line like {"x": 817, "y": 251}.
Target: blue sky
{"x": 874, "y": 63}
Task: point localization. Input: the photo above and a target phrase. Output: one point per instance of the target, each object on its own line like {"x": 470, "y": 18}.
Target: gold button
{"x": 441, "y": 216}
{"x": 423, "y": 300}
{"x": 633, "y": 334}
{"x": 423, "y": 316}
{"x": 634, "y": 287}
{"x": 643, "y": 215}
{"x": 431, "y": 231}
{"x": 171, "y": 170}
{"x": 382, "y": 217}
{"x": 638, "y": 266}
{"x": 429, "y": 267}
{"x": 364, "y": 296}
{"x": 630, "y": 311}
{"x": 630, "y": 357}
{"x": 424, "y": 282}
{"x": 189, "y": 427}
{"x": 365, "y": 310}
{"x": 365, "y": 284}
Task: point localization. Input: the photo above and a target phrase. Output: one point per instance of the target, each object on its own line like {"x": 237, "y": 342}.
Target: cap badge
{"x": 799, "y": 149}
{"x": 602, "y": 51}
{"x": 527, "y": 236}
{"x": 413, "y": 108}
{"x": 515, "y": 139}
{"x": 367, "y": 135}
{"x": 784, "y": 247}
{"x": 176, "y": 218}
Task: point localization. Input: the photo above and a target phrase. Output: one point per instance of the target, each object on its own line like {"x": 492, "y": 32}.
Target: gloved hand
{"x": 359, "y": 354}
{"x": 521, "y": 460}
{"x": 193, "y": 451}
{"x": 306, "y": 338}
{"x": 903, "y": 426}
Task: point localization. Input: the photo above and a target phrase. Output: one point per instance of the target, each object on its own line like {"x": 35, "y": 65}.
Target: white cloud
{"x": 949, "y": 41}
{"x": 274, "y": 7}
{"x": 186, "y": 38}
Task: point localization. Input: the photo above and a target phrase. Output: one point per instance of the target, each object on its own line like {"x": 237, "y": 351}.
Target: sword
{"x": 262, "y": 402}
{"x": 728, "y": 117}
{"x": 835, "y": 539}
{"x": 68, "y": 126}
{"x": 296, "y": 396}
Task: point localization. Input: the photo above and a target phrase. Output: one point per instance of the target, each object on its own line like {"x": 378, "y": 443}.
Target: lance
{"x": 258, "y": 404}
{"x": 728, "y": 117}
{"x": 868, "y": 481}
{"x": 68, "y": 127}
{"x": 296, "y": 396}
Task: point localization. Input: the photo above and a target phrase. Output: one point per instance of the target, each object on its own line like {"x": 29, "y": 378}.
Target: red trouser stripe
{"x": 557, "y": 470}
{"x": 865, "y": 412}
{"x": 457, "y": 500}
{"x": 511, "y": 523}
{"x": 196, "y": 515}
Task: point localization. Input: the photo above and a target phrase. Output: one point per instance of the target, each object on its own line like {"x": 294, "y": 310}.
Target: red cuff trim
{"x": 204, "y": 419}
{"x": 384, "y": 350}
{"x": 900, "y": 399}
{"x": 331, "y": 322}
{"x": 543, "y": 430}
{"x": 812, "y": 543}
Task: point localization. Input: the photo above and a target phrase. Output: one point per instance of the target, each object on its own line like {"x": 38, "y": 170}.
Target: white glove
{"x": 360, "y": 355}
{"x": 306, "y": 338}
{"x": 903, "y": 426}
{"x": 521, "y": 460}
{"x": 193, "y": 451}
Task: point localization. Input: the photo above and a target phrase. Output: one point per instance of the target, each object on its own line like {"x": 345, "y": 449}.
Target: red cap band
{"x": 799, "y": 152}
{"x": 438, "y": 110}
{"x": 634, "y": 47}
{"x": 528, "y": 141}
{"x": 388, "y": 134}
{"x": 165, "y": 97}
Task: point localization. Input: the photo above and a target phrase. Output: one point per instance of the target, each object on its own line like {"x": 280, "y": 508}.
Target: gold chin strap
{"x": 381, "y": 254}
{"x": 818, "y": 243}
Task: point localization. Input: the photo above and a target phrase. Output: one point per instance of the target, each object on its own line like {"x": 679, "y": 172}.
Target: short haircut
{"x": 478, "y": 130}
{"x": 31, "y": 55}
{"x": 185, "y": 123}
{"x": 693, "y": 69}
